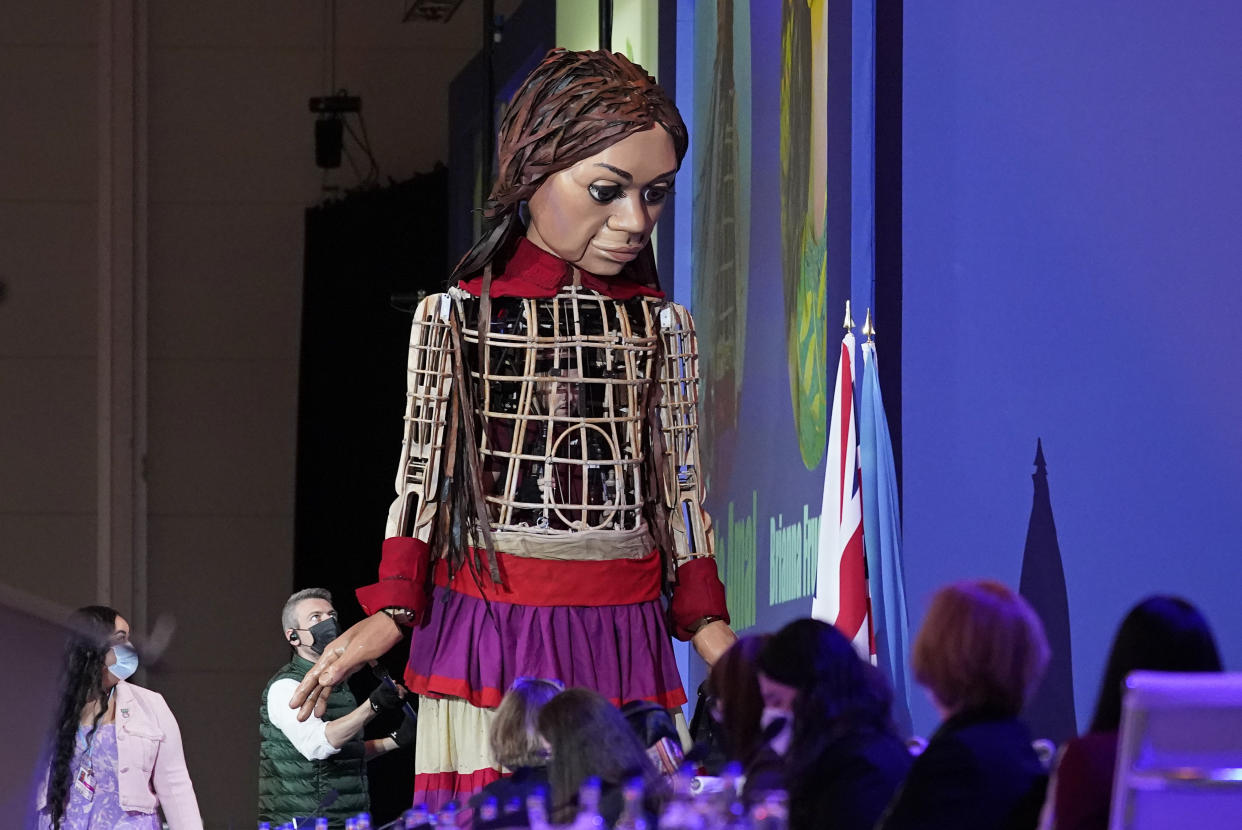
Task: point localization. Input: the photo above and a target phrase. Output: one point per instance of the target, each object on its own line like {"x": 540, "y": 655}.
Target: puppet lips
{"x": 618, "y": 254}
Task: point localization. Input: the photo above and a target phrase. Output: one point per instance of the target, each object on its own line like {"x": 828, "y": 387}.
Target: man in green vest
{"x": 317, "y": 767}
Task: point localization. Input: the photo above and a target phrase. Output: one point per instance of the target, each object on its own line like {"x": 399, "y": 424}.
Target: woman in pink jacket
{"x": 116, "y": 757}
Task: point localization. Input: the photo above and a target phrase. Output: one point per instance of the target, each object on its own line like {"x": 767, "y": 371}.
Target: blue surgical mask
{"x": 126, "y": 661}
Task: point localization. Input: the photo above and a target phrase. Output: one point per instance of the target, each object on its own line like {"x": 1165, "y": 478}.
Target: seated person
{"x": 517, "y": 747}
{"x": 735, "y": 713}
{"x": 1161, "y": 633}
{"x": 844, "y": 759}
{"x": 587, "y": 737}
{"x": 980, "y": 653}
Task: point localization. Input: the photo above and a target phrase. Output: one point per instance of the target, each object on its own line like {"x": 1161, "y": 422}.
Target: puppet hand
{"x": 713, "y": 640}
{"x": 365, "y": 641}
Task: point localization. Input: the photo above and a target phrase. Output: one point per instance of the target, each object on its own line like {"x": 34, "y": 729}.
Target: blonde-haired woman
{"x": 517, "y": 747}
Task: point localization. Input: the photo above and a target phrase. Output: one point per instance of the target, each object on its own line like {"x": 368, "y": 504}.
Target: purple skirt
{"x": 475, "y": 649}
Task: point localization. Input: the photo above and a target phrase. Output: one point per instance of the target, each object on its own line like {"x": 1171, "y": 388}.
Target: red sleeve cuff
{"x": 698, "y": 594}
{"x": 403, "y": 576}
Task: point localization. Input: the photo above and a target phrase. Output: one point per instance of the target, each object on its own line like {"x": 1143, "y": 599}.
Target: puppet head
{"x": 573, "y": 106}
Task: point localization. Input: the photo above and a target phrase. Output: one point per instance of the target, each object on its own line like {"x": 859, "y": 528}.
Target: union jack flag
{"x": 841, "y": 576}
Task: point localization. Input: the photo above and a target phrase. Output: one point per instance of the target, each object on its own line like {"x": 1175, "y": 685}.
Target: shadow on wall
{"x": 1050, "y": 711}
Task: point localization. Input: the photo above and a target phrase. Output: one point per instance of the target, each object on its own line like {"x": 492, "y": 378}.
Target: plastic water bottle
{"x": 265, "y": 825}
{"x": 321, "y": 823}
{"x": 448, "y": 816}
{"x": 632, "y": 815}
{"x": 772, "y": 813}
{"x": 417, "y": 816}
{"x": 489, "y": 809}
{"x": 588, "y": 806}
{"x": 537, "y": 809}
{"x": 364, "y": 821}
{"x": 680, "y": 812}
{"x": 351, "y": 824}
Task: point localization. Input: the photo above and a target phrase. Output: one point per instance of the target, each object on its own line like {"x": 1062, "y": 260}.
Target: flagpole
{"x": 840, "y": 597}
{"x": 882, "y": 532}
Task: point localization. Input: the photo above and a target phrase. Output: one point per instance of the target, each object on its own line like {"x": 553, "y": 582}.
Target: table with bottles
{"x": 695, "y": 802}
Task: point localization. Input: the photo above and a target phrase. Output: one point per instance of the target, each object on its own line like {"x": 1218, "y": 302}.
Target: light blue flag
{"x": 882, "y": 531}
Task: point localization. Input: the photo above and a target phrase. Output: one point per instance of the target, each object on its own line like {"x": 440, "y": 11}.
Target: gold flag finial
{"x": 868, "y": 329}
{"x": 849, "y": 320}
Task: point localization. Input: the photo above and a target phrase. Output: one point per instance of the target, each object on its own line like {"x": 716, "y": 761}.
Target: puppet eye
{"x": 604, "y": 193}
{"x": 655, "y": 195}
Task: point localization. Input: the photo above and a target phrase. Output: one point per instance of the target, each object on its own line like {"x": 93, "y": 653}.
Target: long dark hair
{"x": 90, "y": 637}
{"x": 1161, "y": 633}
{"x": 735, "y": 684}
{"x": 588, "y": 737}
{"x": 838, "y": 694}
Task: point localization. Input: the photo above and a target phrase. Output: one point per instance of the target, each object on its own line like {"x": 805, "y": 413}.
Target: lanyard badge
{"x": 85, "y": 784}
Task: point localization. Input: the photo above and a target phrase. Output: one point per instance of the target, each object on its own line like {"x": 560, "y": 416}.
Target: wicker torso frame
{"x": 585, "y": 421}
{"x": 561, "y": 409}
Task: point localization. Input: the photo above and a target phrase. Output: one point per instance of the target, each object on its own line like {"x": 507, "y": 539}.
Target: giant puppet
{"x": 548, "y": 519}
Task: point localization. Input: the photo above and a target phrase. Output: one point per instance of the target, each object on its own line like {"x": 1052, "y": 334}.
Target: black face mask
{"x": 323, "y": 632}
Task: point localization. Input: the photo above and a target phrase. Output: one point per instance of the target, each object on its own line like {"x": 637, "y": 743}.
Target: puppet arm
{"x": 405, "y": 565}
{"x": 697, "y": 611}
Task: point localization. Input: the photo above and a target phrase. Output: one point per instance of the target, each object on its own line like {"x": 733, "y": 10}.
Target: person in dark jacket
{"x": 1161, "y": 633}
{"x": 844, "y": 759}
{"x": 980, "y": 653}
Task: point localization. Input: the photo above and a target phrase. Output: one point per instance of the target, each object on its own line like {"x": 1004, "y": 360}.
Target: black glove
{"x": 385, "y": 698}
{"x": 404, "y": 736}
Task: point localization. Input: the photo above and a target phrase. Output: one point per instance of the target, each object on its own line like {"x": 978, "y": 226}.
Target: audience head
{"x": 734, "y": 681}
{"x": 589, "y": 737}
{"x": 1161, "y": 633}
{"x": 810, "y": 670}
{"x": 514, "y": 735}
{"x": 981, "y": 647}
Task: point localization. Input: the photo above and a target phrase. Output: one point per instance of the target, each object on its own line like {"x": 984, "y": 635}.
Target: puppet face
{"x": 599, "y": 213}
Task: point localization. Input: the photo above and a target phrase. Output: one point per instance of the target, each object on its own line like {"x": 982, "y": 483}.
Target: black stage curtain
{"x": 889, "y": 21}
{"x": 362, "y": 251}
